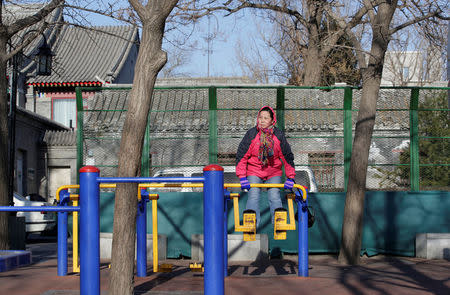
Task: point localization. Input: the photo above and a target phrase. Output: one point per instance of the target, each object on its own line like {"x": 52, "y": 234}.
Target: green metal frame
{"x": 414, "y": 140}
{"x": 213, "y": 132}
{"x": 348, "y": 137}
{"x": 80, "y": 118}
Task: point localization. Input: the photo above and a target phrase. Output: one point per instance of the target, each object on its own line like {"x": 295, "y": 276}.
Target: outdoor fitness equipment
{"x": 63, "y": 197}
{"x": 215, "y": 234}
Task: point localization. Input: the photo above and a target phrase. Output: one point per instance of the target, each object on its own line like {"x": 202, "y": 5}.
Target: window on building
{"x": 65, "y": 111}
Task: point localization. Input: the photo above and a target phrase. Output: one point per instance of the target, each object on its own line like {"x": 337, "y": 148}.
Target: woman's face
{"x": 264, "y": 119}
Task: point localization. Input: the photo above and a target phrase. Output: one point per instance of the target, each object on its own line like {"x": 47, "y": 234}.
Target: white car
{"x": 35, "y": 221}
{"x": 304, "y": 176}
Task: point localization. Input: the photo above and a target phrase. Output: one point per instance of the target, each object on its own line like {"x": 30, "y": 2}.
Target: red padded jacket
{"x": 247, "y": 162}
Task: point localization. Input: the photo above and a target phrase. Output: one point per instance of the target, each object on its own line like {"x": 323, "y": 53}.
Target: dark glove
{"x": 245, "y": 185}
{"x": 289, "y": 184}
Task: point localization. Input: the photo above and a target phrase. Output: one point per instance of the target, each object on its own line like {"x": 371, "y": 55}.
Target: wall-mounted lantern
{"x": 45, "y": 56}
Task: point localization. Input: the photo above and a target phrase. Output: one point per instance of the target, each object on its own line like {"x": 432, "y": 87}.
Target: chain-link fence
{"x": 191, "y": 127}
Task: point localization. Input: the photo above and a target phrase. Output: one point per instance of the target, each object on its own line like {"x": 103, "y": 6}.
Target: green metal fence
{"x": 190, "y": 127}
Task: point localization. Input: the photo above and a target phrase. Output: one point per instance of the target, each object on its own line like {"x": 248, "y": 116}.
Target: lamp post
{"x": 43, "y": 67}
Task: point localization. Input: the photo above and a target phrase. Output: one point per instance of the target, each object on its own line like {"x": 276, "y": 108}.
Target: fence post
{"x": 212, "y": 95}
{"x": 414, "y": 139}
{"x": 146, "y": 156}
{"x": 213, "y": 203}
{"x": 80, "y": 120}
{"x": 348, "y": 98}
{"x": 280, "y": 107}
{"x": 89, "y": 231}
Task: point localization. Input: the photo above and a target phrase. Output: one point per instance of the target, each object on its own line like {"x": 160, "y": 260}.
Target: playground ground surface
{"x": 375, "y": 275}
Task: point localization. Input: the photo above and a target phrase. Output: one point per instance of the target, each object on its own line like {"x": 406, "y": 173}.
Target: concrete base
{"x": 10, "y": 259}
{"x": 238, "y": 249}
{"x": 106, "y": 246}
{"x": 433, "y": 245}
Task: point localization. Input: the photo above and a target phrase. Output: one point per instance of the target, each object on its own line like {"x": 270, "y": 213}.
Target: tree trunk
{"x": 150, "y": 60}
{"x": 312, "y": 62}
{"x": 6, "y": 31}
{"x": 313, "y": 67}
{"x": 4, "y": 199}
{"x": 354, "y": 203}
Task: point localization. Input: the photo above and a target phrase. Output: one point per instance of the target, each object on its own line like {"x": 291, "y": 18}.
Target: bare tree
{"x": 252, "y": 65}
{"x": 151, "y": 58}
{"x": 309, "y": 31}
{"x": 8, "y": 28}
{"x": 383, "y": 24}
{"x": 177, "y": 58}
{"x": 338, "y": 65}
{"x": 415, "y": 58}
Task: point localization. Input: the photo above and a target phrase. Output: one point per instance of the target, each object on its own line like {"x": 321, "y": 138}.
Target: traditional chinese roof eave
{"x": 66, "y": 84}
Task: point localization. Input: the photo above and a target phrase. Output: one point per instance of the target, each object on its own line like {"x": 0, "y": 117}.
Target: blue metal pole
{"x": 141, "y": 236}
{"x": 89, "y": 231}
{"x": 225, "y": 237}
{"x": 38, "y": 208}
{"x": 62, "y": 234}
{"x": 302, "y": 237}
{"x": 213, "y": 230}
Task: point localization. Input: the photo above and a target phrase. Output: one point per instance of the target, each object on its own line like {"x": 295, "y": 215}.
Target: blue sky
{"x": 222, "y": 58}
{"x": 222, "y": 61}
{"x": 241, "y": 27}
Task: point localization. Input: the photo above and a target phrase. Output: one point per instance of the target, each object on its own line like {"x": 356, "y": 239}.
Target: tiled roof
{"x": 203, "y": 81}
{"x": 86, "y": 56}
{"x": 60, "y": 138}
{"x": 186, "y": 110}
{"x": 14, "y": 12}
{"x": 43, "y": 120}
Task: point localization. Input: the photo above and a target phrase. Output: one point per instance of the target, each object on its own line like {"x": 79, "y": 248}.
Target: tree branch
{"x": 25, "y": 22}
{"x": 139, "y": 8}
{"x": 24, "y": 42}
{"x": 417, "y": 20}
{"x": 247, "y": 4}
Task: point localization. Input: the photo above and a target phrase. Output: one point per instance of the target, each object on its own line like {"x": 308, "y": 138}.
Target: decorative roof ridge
{"x": 60, "y": 138}
{"x": 66, "y": 84}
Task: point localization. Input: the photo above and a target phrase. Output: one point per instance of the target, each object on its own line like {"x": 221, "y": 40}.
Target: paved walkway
{"x": 376, "y": 275}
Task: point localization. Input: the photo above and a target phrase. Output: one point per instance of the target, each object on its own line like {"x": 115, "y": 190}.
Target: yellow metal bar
{"x": 155, "y": 233}
{"x": 237, "y": 222}
{"x": 302, "y": 188}
{"x": 139, "y": 194}
{"x": 291, "y": 224}
{"x": 155, "y": 185}
{"x": 266, "y": 185}
{"x": 65, "y": 187}
{"x": 184, "y": 184}
{"x": 75, "y": 264}
{"x": 107, "y": 185}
